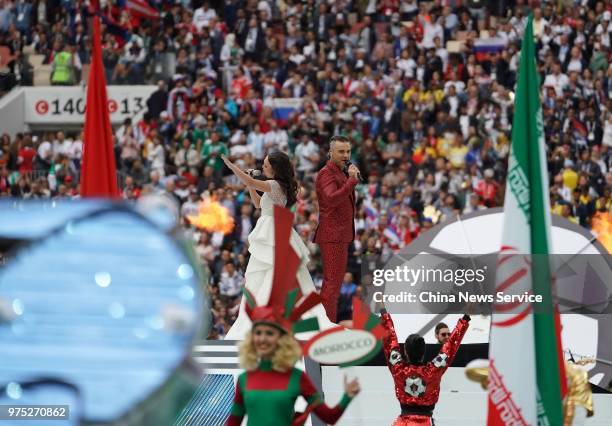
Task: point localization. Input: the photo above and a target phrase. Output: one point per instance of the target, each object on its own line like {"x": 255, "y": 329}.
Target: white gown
{"x": 260, "y": 269}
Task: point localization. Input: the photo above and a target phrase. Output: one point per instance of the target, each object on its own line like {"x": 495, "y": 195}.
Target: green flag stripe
{"x": 309, "y": 324}
{"x": 249, "y": 299}
{"x": 290, "y": 302}
{"x": 372, "y": 322}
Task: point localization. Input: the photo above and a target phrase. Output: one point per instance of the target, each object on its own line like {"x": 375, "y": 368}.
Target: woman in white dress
{"x": 280, "y": 189}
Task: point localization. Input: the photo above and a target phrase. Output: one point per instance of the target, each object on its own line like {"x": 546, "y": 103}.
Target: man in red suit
{"x": 336, "y": 230}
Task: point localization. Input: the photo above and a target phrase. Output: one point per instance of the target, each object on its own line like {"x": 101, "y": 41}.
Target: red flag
{"x": 139, "y": 8}
{"x": 98, "y": 172}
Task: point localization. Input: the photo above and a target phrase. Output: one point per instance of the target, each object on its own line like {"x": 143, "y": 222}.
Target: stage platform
{"x": 462, "y": 402}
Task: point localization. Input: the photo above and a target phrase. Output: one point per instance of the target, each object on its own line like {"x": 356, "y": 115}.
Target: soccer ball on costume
{"x": 395, "y": 357}
{"x": 415, "y": 387}
{"x": 440, "y": 361}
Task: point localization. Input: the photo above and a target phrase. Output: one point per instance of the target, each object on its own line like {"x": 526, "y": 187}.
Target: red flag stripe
{"x": 512, "y": 279}
{"x": 514, "y": 320}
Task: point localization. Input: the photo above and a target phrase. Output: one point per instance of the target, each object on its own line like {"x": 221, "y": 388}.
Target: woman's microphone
{"x": 253, "y": 172}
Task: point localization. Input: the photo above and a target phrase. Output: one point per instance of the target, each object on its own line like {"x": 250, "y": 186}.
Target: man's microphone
{"x": 347, "y": 164}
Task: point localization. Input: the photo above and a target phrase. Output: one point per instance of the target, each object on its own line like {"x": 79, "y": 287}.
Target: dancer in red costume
{"x": 417, "y": 385}
{"x": 336, "y": 230}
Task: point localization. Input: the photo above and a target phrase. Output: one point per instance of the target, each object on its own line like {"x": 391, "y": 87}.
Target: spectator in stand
{"x": 212, "y": 151}
{"x": 187, "y": 159}
{"x": 348, "y": 289}
{"x": 230, "y": 285}
{"x": 487, "y": 188}
{"x": 307, "y": 156}
{"x": 64, "y": 67}
{"x": 429, "y": 116}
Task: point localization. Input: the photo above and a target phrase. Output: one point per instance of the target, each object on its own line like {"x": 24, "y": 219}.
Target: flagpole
{"x": 471, "y": 253}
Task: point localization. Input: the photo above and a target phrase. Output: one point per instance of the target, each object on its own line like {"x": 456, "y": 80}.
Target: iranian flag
{"x": 526, "y": 375}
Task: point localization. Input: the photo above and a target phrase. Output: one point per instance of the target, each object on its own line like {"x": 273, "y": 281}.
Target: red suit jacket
{"x": 336, "y": 195}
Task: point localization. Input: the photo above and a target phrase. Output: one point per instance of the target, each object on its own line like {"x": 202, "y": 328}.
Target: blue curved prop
{"x": 98, "y": 297}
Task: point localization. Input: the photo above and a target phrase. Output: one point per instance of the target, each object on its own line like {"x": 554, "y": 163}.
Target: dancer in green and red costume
{"x": 266, "y": 392}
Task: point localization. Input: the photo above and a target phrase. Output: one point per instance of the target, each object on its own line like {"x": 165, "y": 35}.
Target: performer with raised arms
{"x": 417, "y": 384}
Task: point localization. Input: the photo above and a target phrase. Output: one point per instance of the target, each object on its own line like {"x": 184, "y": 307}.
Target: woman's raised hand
{"x": 227, "y": 162}
{"x": 351, "y": 388}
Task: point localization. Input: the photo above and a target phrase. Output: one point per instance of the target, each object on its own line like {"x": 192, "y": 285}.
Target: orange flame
{"x": 213, "y": 217}
{"x": 602, "y": 227}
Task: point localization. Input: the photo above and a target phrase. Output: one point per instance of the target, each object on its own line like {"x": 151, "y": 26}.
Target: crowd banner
{"x": 282, "y": 108}
{"x": 67, "y": 104}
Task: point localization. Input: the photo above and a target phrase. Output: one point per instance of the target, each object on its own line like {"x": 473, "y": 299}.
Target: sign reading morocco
{"x": 348, "y": 346}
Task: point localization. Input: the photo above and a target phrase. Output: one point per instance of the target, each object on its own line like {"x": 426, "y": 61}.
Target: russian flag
{"x": 370, "y": 212}
{"x": 282, "y": 108}
{"x": 139, "y": 8}
{"x": 580, "y": 131}
{"x": 484, "y": 46}
{"x": 391, "y": 233}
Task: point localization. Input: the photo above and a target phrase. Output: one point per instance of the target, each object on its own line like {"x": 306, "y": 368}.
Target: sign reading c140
{"x": 68, "y": 105}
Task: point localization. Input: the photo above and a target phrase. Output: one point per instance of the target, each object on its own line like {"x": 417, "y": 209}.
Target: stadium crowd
{"x": 424, "y": 90}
